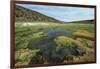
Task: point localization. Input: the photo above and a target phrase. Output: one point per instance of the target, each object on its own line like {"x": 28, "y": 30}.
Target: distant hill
{"x": 84, "y": 21}
{"x": 26, "y": 15}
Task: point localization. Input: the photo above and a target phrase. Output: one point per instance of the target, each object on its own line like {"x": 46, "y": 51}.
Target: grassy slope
{"x": 26, "y": 15}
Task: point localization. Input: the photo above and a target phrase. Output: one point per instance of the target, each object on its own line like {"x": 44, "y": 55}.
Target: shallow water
{"x": 57, "y": 32}
{"x": 49, "y": 40}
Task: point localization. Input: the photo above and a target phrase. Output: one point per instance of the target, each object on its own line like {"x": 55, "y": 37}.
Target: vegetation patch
{"x": 84, "y": 34}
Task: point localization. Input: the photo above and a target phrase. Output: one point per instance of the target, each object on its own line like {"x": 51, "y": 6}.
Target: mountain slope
{"x": 84, "y": 21}
{"x": 26, "y": 15}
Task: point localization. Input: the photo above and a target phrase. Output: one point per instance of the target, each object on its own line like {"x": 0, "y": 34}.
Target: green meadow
{"x": 53, "y": 43}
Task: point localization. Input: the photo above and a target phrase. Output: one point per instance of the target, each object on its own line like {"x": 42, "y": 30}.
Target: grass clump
{"x": 84, "y": 34}
{"x": 73, "y": 46}
{"x": 23, "y": 56}
{"x": 65, "y": 41}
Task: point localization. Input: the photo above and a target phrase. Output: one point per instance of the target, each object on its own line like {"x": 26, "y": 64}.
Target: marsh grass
{"x": 78, "y": 47}
{"x": 84, "y": 34}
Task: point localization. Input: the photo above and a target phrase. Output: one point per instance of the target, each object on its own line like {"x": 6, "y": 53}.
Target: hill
{"x": 26, "y": 15}
{"x": 84, "y": 21}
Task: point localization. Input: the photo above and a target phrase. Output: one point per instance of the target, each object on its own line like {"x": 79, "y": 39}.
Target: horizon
{"x": 62, "y": 13}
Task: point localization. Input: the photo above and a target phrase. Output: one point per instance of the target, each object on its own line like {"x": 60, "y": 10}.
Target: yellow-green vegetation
{"x": 65, "y": 42}
{"x": 84, "y": 34}
{"x": 23, "y": 56}
{"x": 40, "y": 39}
{"x": 37, "y": 36}
{"x": 48, "y": 43}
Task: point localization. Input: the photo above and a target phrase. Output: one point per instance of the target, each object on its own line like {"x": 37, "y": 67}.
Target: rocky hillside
{"x": 26, "y": 15}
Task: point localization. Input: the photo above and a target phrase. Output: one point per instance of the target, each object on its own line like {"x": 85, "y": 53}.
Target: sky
{"x": 62, "y": 13}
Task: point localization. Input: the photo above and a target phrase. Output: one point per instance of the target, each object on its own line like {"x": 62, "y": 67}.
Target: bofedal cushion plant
{"x": 84, "y": 34}
{"x": 69, "y": 47}
{"x": 24, "y": 56}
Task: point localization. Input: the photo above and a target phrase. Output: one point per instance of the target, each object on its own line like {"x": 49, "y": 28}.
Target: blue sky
{"x": 62, "y": 13}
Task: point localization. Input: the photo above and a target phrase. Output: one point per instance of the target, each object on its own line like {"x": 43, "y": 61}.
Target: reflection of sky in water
{"x": 57, "y": 32}
{"x": 63, "y": 13}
